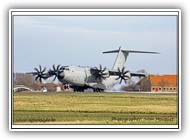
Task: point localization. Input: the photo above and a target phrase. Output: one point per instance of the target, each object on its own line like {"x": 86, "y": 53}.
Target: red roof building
{"x": 158, "y": 83}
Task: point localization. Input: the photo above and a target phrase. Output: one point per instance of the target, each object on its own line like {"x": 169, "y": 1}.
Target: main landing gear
{"x": 82, "y": 90}
{"x": 98, "y": 90}
{"x": 78, "y": 90}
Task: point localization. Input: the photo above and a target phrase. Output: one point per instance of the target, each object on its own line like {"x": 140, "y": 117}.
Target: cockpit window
{"x": 67, "y": 69}
{"x": 62, "y": 68}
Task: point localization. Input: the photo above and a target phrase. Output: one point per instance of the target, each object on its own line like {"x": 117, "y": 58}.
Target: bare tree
{"x": 142, "y": 71}
{"x": 23, "y": 79}
{"x": 144, "y": 84}
{"x": 130, "y": 86}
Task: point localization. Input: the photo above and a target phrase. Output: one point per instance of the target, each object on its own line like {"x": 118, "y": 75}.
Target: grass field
{"x": 94, "y": 108}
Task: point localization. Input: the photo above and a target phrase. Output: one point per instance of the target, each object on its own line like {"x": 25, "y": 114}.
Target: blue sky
{"x": 80, "y": 40}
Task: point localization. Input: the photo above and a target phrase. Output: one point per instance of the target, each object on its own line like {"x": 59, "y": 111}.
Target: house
{"x": 49, "y": 87}
{"x": 158, "y": 83}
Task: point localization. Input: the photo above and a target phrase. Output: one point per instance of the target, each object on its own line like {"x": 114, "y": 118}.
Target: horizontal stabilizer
{"x": 114, "y": 51}
{"x": 122, "y": 56}
{"x": 129, "y": 51}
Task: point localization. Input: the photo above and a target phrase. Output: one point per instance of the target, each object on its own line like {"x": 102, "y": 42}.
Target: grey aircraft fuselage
{"x": 82, "y": 77}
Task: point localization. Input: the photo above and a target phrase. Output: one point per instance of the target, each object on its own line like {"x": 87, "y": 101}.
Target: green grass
{"x": 94, "y": 108}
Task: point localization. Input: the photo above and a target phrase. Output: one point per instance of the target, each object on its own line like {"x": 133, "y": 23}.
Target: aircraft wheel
{"x": 98, "y": 90}
{"x": 94, "y": 90}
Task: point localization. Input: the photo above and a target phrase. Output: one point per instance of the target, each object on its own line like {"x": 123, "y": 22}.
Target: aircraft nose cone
{"x": 62, "y": 75}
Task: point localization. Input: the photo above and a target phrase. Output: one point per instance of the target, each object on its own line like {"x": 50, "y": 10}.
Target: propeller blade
{"x": 36, "y": 78}
{"x": 40, "y": 68}
{"x": 123, "y": 69}
{"x": 54, "y": 78}
{"x": 54, "y": 67}
{"x": 100, "y": 67}
{"x": 126, "y": 72}
{"x": 104, "y": 69}
{"x": 117, "y": 78}
{"x": 36, "y": 69}
{"x": 58, "y": 67}
{"x": 120, "y": 81}
{"x": 44, "y": 70}
{"x": 40, "y": 80}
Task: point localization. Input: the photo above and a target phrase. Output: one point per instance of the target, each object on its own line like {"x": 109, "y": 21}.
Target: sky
{"x": 80, "y": 40}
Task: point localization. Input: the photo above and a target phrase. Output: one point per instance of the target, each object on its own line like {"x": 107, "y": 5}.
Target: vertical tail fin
{"x": 122, "y": 57}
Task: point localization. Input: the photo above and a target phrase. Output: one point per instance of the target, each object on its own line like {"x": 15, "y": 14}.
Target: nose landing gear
{"x": 66, "y": 86}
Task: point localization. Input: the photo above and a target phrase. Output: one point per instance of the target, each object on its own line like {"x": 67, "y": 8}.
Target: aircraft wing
{"x": 106, "y": 73}
{"x": 34, "y": 73}
{"x": 138, "y": 74}
{"x": 132, "y": 74}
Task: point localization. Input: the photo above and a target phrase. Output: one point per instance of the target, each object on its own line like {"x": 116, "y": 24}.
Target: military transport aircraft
{"x": 99, "y": 79}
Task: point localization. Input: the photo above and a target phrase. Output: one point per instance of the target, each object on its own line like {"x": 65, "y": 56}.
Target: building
{"x": 51, "y": 87}
{"x": 158, "y": 83}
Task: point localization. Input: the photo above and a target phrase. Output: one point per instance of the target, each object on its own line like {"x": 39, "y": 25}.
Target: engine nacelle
{"x": 127, "y": 75}
{"x": 105, "y": 74}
